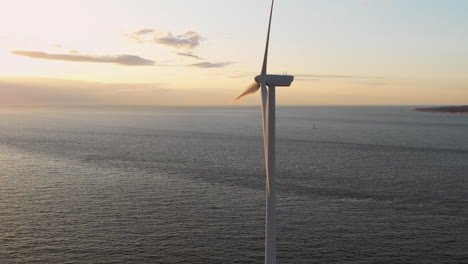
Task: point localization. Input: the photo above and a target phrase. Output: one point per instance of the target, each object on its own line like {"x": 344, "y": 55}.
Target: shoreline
{"x": 439, "y": 112}
{"x": 462, "y": 109}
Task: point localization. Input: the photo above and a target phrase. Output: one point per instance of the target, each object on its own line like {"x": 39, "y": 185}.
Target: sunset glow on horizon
{"x": 182, "y": 52}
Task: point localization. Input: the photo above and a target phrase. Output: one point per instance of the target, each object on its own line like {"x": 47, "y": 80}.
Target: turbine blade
{"x": 265, "y": 57}
{"x": 250, "y": 90}
{"x": 265, "y": 128}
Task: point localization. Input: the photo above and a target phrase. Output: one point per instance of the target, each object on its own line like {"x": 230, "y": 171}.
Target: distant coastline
{"x": 463, "y": 109}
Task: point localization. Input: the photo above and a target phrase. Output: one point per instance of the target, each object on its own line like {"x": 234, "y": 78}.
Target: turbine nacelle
{"x": 275, "y": 79}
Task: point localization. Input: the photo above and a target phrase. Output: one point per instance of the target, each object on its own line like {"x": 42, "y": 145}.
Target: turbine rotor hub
{"x": 259, "y": 78}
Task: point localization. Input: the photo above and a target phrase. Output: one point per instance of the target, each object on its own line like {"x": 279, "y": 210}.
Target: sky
{"x": 206, "y": 52}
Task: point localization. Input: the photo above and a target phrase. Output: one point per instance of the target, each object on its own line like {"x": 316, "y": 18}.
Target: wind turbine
{"x": 268, "y": 117}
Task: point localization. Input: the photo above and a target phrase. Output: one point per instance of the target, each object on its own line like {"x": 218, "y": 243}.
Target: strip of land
{"x": 462, "y": 109}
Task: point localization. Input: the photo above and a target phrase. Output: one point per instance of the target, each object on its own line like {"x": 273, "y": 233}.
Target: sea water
{"x": 365, "y": 184}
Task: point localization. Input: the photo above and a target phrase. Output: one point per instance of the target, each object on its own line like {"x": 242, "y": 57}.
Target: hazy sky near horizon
{"x": 206, "y": 52}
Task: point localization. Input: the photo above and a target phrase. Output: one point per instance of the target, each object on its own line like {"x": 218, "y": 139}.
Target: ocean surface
{"x": 186, "y": 185}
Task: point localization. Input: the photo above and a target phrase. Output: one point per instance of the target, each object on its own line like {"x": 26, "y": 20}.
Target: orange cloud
{"x": 126, "y": 60}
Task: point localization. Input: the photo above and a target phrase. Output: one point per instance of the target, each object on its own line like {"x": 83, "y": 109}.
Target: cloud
{"x": 186, "y": 41}
{"x": 33, "y": 91}
{"x": 243, "y": 75}
{"x": 189, "y": 55}
{"x": 317, "y": 77}
{"x": 144, "y": 31}
{"x": 374, "y": 83}
{"x": 126, "y": 60}
{"x": 302, "y": 76}
{"x": 184, "y": 44}
{"x": 210, "y": 64}
{"x": 332, "y": 76}
{"x": 140, "y": 36}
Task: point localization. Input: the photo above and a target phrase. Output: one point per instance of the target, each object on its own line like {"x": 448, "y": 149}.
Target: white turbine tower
{"x": 268, "y": 116}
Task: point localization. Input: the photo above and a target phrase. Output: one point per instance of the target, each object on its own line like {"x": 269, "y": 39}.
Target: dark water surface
{"x": 186, "y": 185}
